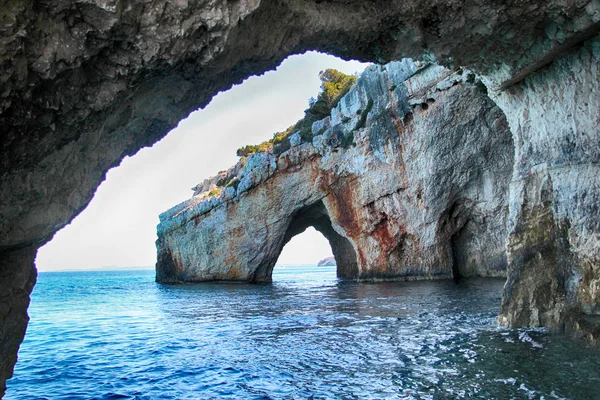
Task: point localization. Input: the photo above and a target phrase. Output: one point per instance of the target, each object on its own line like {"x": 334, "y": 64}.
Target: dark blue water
{"x": 119, "y": 335}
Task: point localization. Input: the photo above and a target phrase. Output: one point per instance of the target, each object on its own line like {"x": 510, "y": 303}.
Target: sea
{"x": 308, "y": 335}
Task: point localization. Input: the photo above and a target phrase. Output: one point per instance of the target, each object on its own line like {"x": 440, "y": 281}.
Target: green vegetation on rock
{"x": 347, "y": 140}
{"x": 363, "y": 115}
{"x": 334, "y": 86}
{"x": 249, "y": 149}
{"x": 234, "y": 183}
{"x": 214, "y": 192}
{"x": 225, "y": 181}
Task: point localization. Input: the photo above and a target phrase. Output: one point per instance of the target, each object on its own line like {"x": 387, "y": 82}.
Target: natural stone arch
{"x": 134, "y": 69}
{"x": 384, "y": 171}
{"x": 316, "y": 216}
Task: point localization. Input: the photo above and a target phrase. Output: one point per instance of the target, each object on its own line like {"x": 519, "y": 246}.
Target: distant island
{"x": 327, "y": 262}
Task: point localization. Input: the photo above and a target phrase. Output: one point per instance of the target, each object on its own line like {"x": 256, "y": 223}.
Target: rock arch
{"x": 84, "y": 83}
{"x": 316, "y": 216}
{"x": 385, "y": 179}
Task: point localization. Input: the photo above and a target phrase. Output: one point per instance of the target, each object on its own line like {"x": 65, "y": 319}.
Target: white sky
{"x": 118, "y": 228}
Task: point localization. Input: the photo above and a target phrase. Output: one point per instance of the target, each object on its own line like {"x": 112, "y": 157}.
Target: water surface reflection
{"x": 308, "y": 335}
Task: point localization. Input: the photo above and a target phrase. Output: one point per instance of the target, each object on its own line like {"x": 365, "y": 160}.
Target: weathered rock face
{"x": 14, "y": 300}
{"x": 407, "y": 179}
{"x": 554, "y": 230}
{"x": 85, "y": 82}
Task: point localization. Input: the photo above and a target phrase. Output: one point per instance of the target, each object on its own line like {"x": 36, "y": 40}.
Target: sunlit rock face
{"x": 407, "y": 179}
{"x": 85, "y": 82}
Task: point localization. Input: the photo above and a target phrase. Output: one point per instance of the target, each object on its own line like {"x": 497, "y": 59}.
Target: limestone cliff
{"x": 407, "y": 179}
{"x": 554, "y": 224}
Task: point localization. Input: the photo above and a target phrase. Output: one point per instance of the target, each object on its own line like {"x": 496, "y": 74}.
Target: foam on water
{"x": 119, "y": 335}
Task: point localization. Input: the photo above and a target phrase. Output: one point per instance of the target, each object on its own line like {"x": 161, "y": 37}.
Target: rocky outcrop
{"x": 407, "y": 179}
{"x": 85, "y": 82}
{"x": 327, "y": 262}
{"x": 554, "y": 230}
{"x": 16, "y": 284}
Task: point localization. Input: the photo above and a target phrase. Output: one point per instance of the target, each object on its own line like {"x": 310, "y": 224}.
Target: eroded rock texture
{"x": 85, "y": 82}
{"x": 17, "y": 278}
{"x": 407, "y": 179}
{"x": 554, "y": 234}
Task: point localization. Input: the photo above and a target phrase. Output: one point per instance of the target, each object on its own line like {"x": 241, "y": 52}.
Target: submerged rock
{"x": 407, "y": 179}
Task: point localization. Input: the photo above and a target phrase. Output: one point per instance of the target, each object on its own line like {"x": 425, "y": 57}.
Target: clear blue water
{"x": 119, "y": 335}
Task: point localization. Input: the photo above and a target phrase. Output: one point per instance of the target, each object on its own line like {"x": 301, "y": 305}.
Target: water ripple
{"x": 121, "y": 336}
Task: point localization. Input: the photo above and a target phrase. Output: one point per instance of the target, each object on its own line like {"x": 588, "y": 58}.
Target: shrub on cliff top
{"x": 282, "y": 146}
{"x": 334, "y": 86}
{"x": 245, "y": 151}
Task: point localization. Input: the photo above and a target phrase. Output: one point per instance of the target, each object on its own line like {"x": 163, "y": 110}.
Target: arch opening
{"x": 316, "y": 216}
{"x": 307, "y": 257}
{"x": 307, "y": 248}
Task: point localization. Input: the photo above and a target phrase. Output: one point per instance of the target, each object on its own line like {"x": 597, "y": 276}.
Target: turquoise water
{"x": 119, "y": 335}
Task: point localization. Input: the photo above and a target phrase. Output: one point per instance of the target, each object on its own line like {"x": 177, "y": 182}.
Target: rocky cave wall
{"x": 85, "y": 82}
{"x": 554, "y": 231}
{"x": 410, "y": 168}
